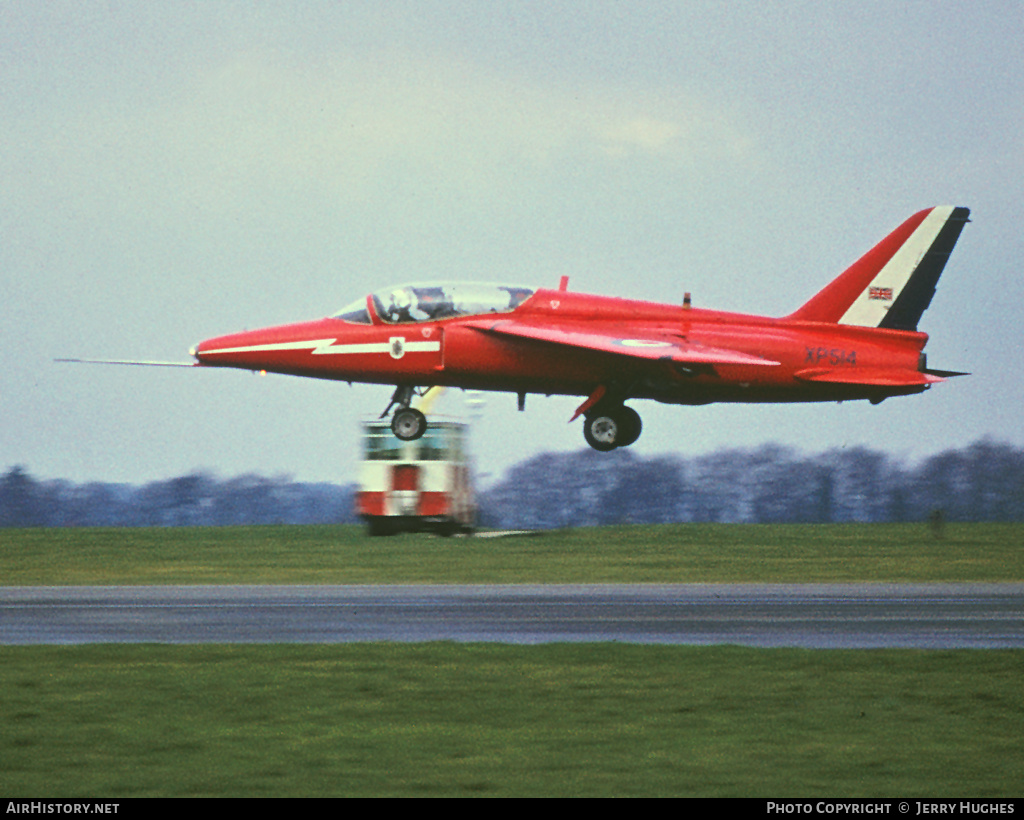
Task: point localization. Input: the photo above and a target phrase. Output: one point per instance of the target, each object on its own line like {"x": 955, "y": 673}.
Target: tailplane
{"x": 893, "y": 283}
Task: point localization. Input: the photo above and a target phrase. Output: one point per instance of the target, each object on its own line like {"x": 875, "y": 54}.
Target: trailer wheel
{"x": 379, "y": 527}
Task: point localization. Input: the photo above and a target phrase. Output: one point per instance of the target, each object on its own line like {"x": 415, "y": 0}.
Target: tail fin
{"x": 892, "y": 284}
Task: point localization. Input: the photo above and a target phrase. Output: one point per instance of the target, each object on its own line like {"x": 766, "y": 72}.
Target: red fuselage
{"x": 800, "y": 360}
{"x": 857, "y": 338}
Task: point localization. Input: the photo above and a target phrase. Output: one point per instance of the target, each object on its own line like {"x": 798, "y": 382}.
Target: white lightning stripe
{"x": 378, "y": 347}
{"x": 321, "y": 347}
{"x": 368, "y": 347}
{"x": 311, "y": 344}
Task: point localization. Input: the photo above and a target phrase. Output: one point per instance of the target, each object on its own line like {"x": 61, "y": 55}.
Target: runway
{"x": 929, "y": 616}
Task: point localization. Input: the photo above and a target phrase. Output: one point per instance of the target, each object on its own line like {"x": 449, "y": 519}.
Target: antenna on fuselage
{"x": 563, "y": 283}
{"x": 686, "y": 314}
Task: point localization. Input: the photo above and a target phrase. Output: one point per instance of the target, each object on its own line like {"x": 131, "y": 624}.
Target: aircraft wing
{"x": 638, "y": 344}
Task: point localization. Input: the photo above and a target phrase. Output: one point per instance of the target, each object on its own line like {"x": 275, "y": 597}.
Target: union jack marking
{"x": 885, "y": 294}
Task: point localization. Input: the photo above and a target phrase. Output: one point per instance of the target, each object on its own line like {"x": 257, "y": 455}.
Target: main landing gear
{"x": 607, "y": 424}
{"x": 611, "y": 426}
{"x": 407, "y": 423}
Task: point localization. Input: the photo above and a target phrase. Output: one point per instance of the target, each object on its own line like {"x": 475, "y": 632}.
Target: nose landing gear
{"x": 407, "y": 423}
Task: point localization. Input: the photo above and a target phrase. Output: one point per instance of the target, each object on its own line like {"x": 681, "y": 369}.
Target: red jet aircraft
{"x": 855, "y": 339}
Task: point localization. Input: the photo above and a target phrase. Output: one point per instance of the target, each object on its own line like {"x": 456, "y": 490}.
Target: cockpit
{"x": 431, "y": 302}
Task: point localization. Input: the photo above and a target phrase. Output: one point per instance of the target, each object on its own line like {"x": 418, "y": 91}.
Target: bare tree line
{"x": 982, "y": 482}
{"x": 768, "y": 484}
{"x": 198, "y": 499}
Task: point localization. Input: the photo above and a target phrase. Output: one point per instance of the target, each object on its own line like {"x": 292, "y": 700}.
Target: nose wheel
{"x": 606, "y": 428}
{"x": 408, "y": 423}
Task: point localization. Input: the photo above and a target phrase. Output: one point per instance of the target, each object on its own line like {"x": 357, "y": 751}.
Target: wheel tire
{"x": 408, "y": 424}
{"x": 613, "y": 427}
{"x": 602, "y": 431}
{"x": 631, "y": 425}
{"x": 378, "y": 527}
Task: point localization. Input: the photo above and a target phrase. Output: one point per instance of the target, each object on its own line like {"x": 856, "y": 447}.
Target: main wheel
{"x": 408, "y": 423}
{"x": 629, "y": 421}
{"x": 602, "y": 431}
{"x": 608, "y": 428}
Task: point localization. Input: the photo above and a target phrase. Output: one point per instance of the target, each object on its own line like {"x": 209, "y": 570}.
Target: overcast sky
{"x": 175, "y": 171}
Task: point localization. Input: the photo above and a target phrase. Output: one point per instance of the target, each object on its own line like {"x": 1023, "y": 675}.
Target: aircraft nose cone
{"x": 196, "y": 352}
{"x": 199, "y": 351}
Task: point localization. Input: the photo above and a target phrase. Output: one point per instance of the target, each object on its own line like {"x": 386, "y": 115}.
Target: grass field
{"x": 441, "y": 719}
{"x": 491, "y": 720}
{"x": 626, "y": 554}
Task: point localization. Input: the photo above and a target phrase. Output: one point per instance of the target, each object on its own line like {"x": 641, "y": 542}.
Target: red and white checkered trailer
{"x": 415, "y": 486}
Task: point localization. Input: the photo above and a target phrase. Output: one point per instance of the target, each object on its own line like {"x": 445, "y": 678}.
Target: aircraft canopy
{"x": 430, "y": 302}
